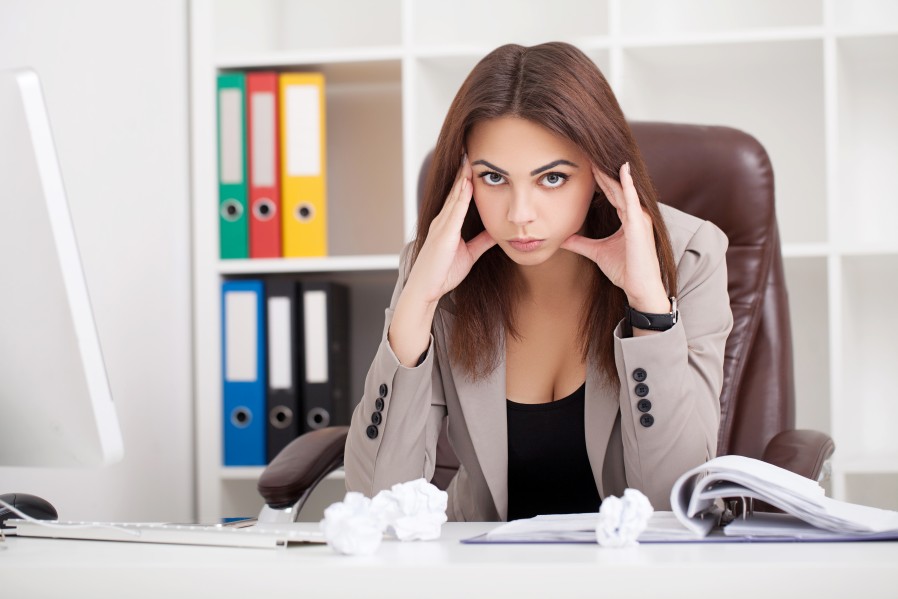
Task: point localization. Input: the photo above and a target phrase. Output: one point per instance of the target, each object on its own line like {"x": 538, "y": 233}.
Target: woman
{"x": 569, "y": 327}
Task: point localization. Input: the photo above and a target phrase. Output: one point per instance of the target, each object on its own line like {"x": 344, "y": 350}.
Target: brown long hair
{"x": 557, "y": 86}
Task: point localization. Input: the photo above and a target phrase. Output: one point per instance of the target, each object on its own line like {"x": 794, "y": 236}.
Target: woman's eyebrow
{"x": 532, "y": 173}
{"x": 492, "y": 166}
{"x": 552, "y": 165}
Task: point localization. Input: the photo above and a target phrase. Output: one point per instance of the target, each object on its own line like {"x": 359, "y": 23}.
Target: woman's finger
{"x": 631, "y": 197}
{"x": 465, "y": 173}
{"x": 632, "y": 201}
{"x": 461, "y": 203}
{"x": 480, "y": 244}
{"x": 455, "y": 192}
{"x": 454, "y": 196}
{"x": 611, "y": 189}
{"x": 579, "y": 244}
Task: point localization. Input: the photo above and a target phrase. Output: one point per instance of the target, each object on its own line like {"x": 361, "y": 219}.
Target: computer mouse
{"x": 32, "y": 505}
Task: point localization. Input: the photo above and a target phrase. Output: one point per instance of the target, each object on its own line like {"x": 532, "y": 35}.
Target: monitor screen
{"x": 55, "y": 403}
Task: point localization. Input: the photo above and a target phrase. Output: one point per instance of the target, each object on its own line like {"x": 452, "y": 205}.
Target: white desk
{"x": 446, "y": 568}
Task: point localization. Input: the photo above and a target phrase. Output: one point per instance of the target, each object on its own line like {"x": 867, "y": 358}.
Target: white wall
{"x": 115, "y": 81}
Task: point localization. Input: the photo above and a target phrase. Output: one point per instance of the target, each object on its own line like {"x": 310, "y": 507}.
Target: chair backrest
{"x": 723, "y": 175}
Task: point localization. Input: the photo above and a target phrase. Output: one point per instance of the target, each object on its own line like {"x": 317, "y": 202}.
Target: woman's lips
{"x": 525, "y": 245}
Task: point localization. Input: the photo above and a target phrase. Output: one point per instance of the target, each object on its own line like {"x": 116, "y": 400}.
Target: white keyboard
{"x": 255, "y": 535}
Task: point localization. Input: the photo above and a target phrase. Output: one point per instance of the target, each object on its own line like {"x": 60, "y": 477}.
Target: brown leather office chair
{"x": 718, "y": 174}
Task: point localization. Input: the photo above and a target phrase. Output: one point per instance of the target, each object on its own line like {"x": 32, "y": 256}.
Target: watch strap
{"x": 653, "y": 322}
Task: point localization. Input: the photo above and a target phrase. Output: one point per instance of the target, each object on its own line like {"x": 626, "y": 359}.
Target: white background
{"x": 114, "y": 75}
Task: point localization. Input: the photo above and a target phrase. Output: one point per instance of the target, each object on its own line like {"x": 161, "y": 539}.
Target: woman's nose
{"x": 521, "y": 209}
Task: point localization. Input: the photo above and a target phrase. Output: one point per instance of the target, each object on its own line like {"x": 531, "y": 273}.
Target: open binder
{"x": 698, "y": 500}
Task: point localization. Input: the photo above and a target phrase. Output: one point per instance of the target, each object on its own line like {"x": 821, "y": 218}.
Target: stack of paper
{"x": 696, "y": 499}
{"x": 581, "y": 528}
{"x": 693, "y": 501}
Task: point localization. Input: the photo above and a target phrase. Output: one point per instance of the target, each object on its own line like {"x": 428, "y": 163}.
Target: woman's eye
{"x": 554, "y": 180}
{"x": 492, "y": 178}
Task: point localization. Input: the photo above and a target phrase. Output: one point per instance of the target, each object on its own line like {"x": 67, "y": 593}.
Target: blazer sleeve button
{"x": 376, "y": 418}
{"x": 371, "y": 431}
{"x": 647, "y": 420}
{"x": 642, "y": 390}
{"x": 383, "y": 389}
{"x": 639, "y": 375}
{"x": 379, "y": 404}
{"x": 644, "y": 405}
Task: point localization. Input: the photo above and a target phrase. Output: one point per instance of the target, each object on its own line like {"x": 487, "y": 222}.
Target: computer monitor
{"x": 55, "y": 403}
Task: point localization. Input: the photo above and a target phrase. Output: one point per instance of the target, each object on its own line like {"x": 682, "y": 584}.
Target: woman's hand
{"x": 443, "y": 262}
{"x": 445, "y": 259}
{"x": 627, "y": 257}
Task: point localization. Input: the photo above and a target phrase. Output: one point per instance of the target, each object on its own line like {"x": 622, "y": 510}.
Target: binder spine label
{"x": 263, "y": 139}
{"x": 303, "y": 118}
{"x": 231, "y": 127}
{"x": 280, "y": 357}
{"x": 243, "y": 337}
{"x": 315, "y": 325}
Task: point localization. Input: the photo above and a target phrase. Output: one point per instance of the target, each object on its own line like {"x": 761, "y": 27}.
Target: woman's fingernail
{"x": 627, "y": 168}
{"x": 464, "y": 159}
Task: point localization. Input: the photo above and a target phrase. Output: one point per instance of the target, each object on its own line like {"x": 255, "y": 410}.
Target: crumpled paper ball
{"x": 413, "y": 511}
{"x": 410, "y": 511}
{"x": 351, "y": 527}
{"x": 622, "y": 520}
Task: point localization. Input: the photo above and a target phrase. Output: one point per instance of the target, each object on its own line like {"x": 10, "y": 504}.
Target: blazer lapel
{"x": 483, "y": 405}
{"x": 599, "y": 413}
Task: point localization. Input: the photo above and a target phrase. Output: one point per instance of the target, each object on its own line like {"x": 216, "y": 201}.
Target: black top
{"x": 548, "y": 469}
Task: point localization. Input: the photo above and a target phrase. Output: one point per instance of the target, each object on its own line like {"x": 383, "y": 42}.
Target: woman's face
{"x": 531, "y": 187}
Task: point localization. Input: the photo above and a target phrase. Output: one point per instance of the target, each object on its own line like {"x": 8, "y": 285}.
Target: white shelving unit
{"x": 814, "y": 80}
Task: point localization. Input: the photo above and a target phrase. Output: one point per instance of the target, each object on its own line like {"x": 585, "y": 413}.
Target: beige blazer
{"x": 683, "y": 370}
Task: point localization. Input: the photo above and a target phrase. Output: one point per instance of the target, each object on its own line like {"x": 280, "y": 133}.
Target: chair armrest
{"x": 801, "y": 451}
{"x": 301, "y": 465}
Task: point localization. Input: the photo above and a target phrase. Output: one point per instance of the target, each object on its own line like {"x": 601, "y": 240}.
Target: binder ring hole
{"x": 241, "y": 417}
{"x": 264, "y": 209}
{"x": 281, "y": 417}
{"x": 304, "y": 212}
{"x": 231, "y": 210}
{"x": 318, "y": 418}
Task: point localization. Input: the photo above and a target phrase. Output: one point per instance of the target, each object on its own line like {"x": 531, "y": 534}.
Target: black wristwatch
{"x": 653, "y": 322}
